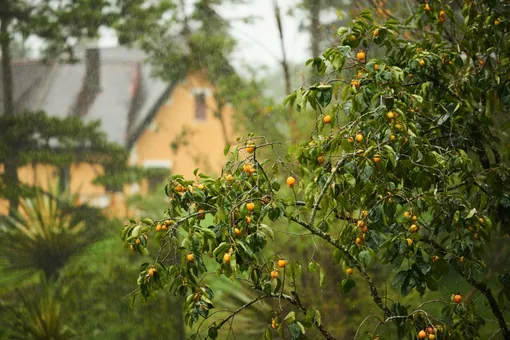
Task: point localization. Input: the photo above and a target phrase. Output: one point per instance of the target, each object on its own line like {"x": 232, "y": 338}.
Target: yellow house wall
{"x": 206, "y": 140}
{"x": 46, "y": 177}
{"x": 203, "y": 150}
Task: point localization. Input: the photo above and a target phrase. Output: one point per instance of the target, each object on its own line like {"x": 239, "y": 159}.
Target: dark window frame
{"x": 200, "y": 107}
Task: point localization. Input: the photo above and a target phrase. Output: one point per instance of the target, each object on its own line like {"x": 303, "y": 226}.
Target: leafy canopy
{"x": 404, "y": 167}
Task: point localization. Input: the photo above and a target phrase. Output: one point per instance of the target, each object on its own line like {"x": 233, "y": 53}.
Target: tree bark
{"x": 285, "y": 66}
{"x": 10, "y": 166}
{"x": 315, "y": 33}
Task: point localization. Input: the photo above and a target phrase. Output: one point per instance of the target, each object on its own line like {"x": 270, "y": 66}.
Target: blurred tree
{"x": 60, "y": 24}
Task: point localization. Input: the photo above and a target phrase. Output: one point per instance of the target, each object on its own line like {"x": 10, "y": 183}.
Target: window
{"x": 200, "y": 106}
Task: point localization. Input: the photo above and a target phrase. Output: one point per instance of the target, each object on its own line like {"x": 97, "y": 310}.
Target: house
{"x": 163, "y": 125}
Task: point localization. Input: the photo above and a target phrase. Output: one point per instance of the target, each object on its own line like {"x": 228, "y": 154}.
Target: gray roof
{"x": 54, "y": 87}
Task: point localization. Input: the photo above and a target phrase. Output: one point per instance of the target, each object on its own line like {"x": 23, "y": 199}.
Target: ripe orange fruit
{"x": 390, "y": 114}
{"x": 376, "y": 67}
{"x": 427, "y": 7}
{"x": 250, "y": 148}
{"x": 354, "y": 83}
{"x": 358, "y": 240}
{"x": 137, "y": 241}
{"x": 431, "y": 330}
{"x": 326, "y": 119}
{"x": 497, "y": 22}
{"x": 158, "y": 227}
{"x": 250, "y": 206}
{"x": 290, "y": 181}
{"x": 359, "y": 137}
{"x": 409, "y": 242}
{"x": 415, "y": 218}
{"x": 377, "y": 158}
{"x": 376, "y": 32}
{"x": 226, "y": 258}
{"x": 321, "y": 159}
{"x": 201, "y": 186}
{"x": 432, "y": 337}
{"x": 131, "y": 247}
{"x": 349, "y": 271}
{"x": 152, "y": 271}
{"x": 180, "y": 188}
{"x": 475, "y": 236}
{"x": 435, "y": 258}
{"x": 461, "y": 259}
{"x": 229, "y": 177}
{"x": 481, "y": 220}
{"x": 392, "y": 137}
{"x": 364, "y": 230}
{"x": 247, "y": 168}
{"x": 457, "y": 298}
{"x": 190, "y": 257}
{"x": 282, "y": 263}
{"x": 442, "y": 16}
{"x": 480, "y": 62}
{"x": 360, "y": 223}
{"x": 350, "y": 140}
{"x": 407, "y": 214}
{"x": 248, "y": 219}
{"x": 360, "y": 56}
{"x": 237, "y": 232}
{"x": 364, "y": 213}
{"x": 422, "y": 334}
{"x": 413, "y": 228}
{"x": 274, "y": 274}
{"x": 274, "y": 325}
{"x": 421, "y": 62}
{"x": 202, "y": 214}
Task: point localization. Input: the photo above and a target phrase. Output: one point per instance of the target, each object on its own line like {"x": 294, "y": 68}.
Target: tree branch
{"x": 334, "y": 242}
{"x": 292, "y": 300}
{"x": 315, "y": 206}
{"x": 482, "y": 287}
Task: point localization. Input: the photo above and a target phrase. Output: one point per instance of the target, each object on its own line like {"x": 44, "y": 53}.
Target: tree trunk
{"x": 315, "y": 33}
{"x": 285, "y": 66}
{"x": 11, "y": 168}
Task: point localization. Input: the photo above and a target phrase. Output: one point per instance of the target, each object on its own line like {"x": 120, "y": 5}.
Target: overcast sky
{"x": 258, "y": 42}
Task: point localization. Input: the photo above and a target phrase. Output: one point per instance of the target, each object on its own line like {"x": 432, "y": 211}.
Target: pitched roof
{"x": 127, "y": 95}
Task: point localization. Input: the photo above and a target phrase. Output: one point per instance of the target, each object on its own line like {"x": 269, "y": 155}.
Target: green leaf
{"x": 399, "y": 279}
{"x": 294, "y": 331}
{"x": 322, "y": 276}
{"x": 347, "y": 285}
{"x": 290, "y": 318}
{"x": 337, "y": 255}
{"x": 350, "y": 180}
{"x": 213, "y": 332}
{"x": 301, "y": 327}
{"x": 312, "y": 267}
{"x": 471, "y": 214}
{"x": 268, "y": 335}
{"x": 366, "y": 173}
{"x": 317, "y": 318}
{"x": 226, "y": 149}
{"x": 365, "y": 258}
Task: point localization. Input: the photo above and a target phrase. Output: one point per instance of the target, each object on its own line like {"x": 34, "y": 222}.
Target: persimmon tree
{"x": 404, "y": 167}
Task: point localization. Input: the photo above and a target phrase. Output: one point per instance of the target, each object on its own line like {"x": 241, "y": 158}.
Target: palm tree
{"x": 48, "y": 229}
{"x": 39, "y": 315}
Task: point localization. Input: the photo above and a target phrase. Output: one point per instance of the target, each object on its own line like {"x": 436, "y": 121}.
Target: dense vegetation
{"x": 404, "y": 169}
